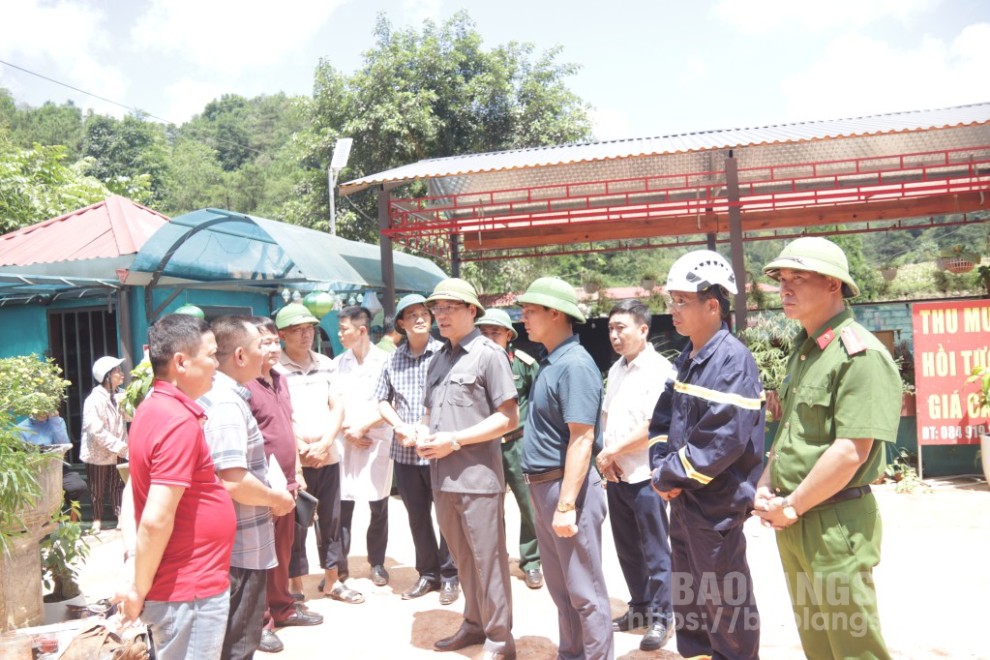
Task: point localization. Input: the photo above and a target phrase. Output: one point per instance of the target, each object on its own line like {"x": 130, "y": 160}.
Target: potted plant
{"x": 981, "y": 376}
{"x": 32, "y": 484}
{"x": 62, "y": 553}
{"x": 649, "y": 282}
{"x": 888, "y": 271}
{"x": 983, "y": 276}
{"x": 958, "y": 259}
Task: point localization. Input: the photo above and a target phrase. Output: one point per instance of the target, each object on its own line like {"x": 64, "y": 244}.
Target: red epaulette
{"x": 825, "y": 338}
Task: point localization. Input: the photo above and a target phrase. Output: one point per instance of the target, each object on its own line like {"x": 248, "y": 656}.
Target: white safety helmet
{"x": 699, "y": 270}
{"x": 105, "y": 365}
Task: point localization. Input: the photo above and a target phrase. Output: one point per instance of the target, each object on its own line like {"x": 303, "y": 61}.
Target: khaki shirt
{"x": 841, "y": 383}
{"x": 465, "y": 385}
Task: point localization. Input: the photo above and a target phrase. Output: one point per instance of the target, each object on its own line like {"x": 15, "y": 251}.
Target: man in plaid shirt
{"x": 400, "y": 391}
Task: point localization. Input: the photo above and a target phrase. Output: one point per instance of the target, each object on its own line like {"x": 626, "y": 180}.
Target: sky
{"x": 648, "y": 67}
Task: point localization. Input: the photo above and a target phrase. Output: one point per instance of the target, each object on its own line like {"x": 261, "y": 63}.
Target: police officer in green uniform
{"x": 841, "y": 403}
{"x": 497, "y": 326}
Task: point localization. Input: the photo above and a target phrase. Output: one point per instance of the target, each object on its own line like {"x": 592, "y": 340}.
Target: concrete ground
{"x": 932, "y": 588}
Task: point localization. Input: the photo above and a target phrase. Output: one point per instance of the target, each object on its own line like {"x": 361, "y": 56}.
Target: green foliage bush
{"x": 28, "y": 386}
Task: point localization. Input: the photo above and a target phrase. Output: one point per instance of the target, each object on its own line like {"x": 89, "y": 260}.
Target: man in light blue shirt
{"x": 48, "y": 430}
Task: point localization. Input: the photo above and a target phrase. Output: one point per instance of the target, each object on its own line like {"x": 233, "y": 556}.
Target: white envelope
{"x": 276, "y": 478}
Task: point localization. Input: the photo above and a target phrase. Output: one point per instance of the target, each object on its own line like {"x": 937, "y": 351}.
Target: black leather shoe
{"x": 459, "y": 640}
{"x": 422, "y": 587}
{"x": 655, "y": 637}
{"x": 301, "y": 618}
{"x": 270, "y": 643}
{"x": 449, "y": 592}
{"x": 379, "y": 576}
{"x": 346, "y": 595}
{"x": 533, "y": 577}
{"x": 631, "y": 620}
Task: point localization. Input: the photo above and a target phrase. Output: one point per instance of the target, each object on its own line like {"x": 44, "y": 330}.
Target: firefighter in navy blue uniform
{"x": 706, "y": 448}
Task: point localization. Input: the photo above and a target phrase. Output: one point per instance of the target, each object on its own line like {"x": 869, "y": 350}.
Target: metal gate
{"x": 77, "y": 338}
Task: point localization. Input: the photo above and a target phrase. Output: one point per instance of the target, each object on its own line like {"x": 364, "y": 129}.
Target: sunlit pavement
{"x": 932, "y": 586}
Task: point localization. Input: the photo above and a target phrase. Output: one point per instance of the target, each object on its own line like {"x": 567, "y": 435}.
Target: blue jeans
{"x": 188, "y": 629}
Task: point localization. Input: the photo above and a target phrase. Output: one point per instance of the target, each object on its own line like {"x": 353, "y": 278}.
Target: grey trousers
{"x": 572, "y": 568}
{"x": 474, "y": 528}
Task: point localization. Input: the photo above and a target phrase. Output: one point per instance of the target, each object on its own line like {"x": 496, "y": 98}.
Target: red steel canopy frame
{"x": 596, "y": 216}
{"x": 874, "y": 173}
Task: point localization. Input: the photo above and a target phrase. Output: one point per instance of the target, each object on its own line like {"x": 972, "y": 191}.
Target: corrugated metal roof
{"x": 111, "y": 228}
{"x": 453, "y": 170}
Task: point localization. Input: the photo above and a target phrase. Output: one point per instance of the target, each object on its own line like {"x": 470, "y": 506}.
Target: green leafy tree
{"x": 129, "y": 155}
{"x": 428, "y": 93}
{"x": 36, "y": 184}
{"x": 49, "y": 124}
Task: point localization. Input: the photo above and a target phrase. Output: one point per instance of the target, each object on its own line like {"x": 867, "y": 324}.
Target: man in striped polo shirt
{"x": 238, "y": 451}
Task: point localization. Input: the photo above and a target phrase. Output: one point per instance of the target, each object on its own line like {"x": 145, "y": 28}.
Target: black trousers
{"x": 323, "y": 484}
{"x": 433, "y": 560}
{"x": 247, "y": 612}
{"x": 377, "y": 537}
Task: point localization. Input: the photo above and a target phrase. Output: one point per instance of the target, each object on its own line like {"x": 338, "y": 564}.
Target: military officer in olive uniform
{"x": 841, "y": 403}
{"x": 497, "y": 326}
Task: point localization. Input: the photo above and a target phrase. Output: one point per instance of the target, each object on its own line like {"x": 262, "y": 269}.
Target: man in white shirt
{"x": 366, "y": 468}
{"x": 637, "y": 514}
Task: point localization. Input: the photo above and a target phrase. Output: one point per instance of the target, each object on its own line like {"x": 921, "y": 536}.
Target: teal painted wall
{"x": 887, "y": 316}
{"x": 23, "y": 330}
{"x": 254, "y": 304}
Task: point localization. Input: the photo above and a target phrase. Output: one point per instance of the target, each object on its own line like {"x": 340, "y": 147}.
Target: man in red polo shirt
{"x": 185, "y": 517}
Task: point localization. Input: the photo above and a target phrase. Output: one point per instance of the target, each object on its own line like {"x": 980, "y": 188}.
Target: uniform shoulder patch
{"x": 852, "y": 341}
{"x": 525, "y": 357}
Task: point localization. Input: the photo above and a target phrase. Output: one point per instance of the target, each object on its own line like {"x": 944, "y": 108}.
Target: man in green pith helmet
{"x": 563, "y": 431}
{"x": 470, "y": 401}
{"x": 841, "y": 401}
{"x": 497, "y": 326}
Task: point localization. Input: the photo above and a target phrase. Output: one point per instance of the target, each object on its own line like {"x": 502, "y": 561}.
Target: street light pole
{"x": 341, "y": 152}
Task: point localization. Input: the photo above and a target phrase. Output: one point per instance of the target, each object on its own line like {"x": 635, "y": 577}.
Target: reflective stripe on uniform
{"x": 689, "y": 470}
{"x": 720, "y": 397}
{"x": 657, "y": 438}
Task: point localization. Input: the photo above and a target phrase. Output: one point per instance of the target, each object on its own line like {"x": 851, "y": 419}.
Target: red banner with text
{"x": 950, "y": 339}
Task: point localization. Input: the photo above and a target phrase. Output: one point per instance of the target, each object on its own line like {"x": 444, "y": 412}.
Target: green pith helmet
{"x": 816, "y": 255}
{"x": 293, "y": 314}
{"x": 500, "y": 318}
{"x": 407, "y": 301}
{"x": 454, "y": 288}
{"x": 554, "y": 293}
{"x": 191, "y": 310}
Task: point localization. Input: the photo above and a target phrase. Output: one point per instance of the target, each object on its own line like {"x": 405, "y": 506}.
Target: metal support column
{"x": 710, "y": 239}
{"x": 385, "y": 243}
{"x": 455, "y": 256}
{"x": 736, "y": 240}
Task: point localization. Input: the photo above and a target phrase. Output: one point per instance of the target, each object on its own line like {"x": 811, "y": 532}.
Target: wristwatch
{"x": 454, "y": 444}
{"x": 566, "y": 507}
{"x": 789, "y": 511}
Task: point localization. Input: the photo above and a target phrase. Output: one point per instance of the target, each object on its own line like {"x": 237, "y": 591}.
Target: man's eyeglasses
{"x": 441, "y": 310}
{"x": 678, "y": 304}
